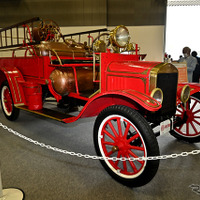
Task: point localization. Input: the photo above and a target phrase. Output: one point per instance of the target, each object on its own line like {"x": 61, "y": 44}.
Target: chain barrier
{"x": 80, "y": 155}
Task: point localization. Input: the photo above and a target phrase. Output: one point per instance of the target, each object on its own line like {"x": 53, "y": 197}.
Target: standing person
{"x": 191, "y": 62}
{"x": 196, "y": 73}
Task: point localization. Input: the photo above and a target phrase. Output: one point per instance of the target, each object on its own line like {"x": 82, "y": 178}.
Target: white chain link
{"x": 80, "y": 155}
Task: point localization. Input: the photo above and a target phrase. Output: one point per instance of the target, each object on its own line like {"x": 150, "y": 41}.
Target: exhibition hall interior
{"x": 100, "y": 99}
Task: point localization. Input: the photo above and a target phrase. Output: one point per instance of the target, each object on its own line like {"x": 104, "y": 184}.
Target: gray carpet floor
{"x": 43, "y": 174}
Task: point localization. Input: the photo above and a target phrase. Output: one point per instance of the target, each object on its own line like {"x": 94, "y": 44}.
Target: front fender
{"x": 130, "y": 98}
{"x": 195, "y": 87}
{"x": 14, "y": 78}
{"x": 142, "y": 99}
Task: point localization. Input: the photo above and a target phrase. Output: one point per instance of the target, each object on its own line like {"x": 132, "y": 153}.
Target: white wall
{"x": 182, "y": 29}
{"x": 150, "y": 39}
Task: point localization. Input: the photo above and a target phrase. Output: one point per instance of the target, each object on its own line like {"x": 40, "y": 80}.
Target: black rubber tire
{"x": 14, "y": 113}
{"x": 150, "y": 141}
{"x": 183, "y": 137}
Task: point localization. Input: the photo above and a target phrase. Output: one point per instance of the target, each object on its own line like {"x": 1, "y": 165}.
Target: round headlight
{"x": 185, "y": 93}
{"x": 157, "y": 94}
{"x": 120, "y": 36}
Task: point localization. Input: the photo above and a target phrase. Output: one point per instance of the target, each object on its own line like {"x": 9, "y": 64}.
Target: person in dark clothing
{"x": 196, "y": 73}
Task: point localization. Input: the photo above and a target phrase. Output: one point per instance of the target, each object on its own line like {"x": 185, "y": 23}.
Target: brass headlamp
{"x": 120, "y": 36}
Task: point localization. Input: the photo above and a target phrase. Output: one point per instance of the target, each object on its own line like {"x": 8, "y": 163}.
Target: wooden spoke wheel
{"x": 7, "y": 105}
{"x": 123, "y": 133}
{"x": 189, "y": 130}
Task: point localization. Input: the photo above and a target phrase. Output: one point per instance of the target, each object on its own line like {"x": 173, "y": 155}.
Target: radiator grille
{"x": 167, "y": 82}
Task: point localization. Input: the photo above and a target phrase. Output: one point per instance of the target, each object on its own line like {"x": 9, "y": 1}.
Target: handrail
{"x": 57, "y": 56}
{"x": 85, "y": 32}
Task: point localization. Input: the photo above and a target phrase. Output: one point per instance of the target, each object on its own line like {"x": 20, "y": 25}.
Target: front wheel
{"x": 189, "y": 130}
{"x": 10, "y": 112}
{"x": 121, "y": 132}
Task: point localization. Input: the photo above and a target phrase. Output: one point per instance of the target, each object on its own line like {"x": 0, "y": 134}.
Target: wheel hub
{"x": 115, "y": 148}
{"x": 121, "y": 145}
{"x": 189, "y": 114}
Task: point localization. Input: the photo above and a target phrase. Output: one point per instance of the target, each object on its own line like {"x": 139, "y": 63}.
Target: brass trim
{"x": 183, "y": 99}
{"x": 19, "y": 104}
{"x": 154, "y": 91}
{"x": 160, "y": 69}
{"x": 145, "y": 72}
{"x": 113, "y": 36}
{"x": 45, "y": 113}
{"x": 98, "y": 91}
{"x": 94, "y": 66}
{"x": 125, "y": 72}
{"x": 145, "y": 101}
{"x": 100, "y": 82}
{"x": 17, "y": 84}
{"x": 54, "y": 51}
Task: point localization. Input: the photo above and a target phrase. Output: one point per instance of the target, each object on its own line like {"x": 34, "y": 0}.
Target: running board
{"x": 48, "y": 113}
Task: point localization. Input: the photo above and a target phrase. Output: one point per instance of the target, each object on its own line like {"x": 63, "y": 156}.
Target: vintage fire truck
{"x": 98, "y": 73}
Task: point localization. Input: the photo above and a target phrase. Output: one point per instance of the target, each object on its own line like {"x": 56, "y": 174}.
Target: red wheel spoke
{"x": 181, "y": 111}
{"x": 196, "y": 111}
{"x": 7, "y": 100}
{"x": 117, "y": 161}
{"x": 108, "y": 143}
{"x": 179, "y": 128}
{"x": 196, "y": 122}
{"x": 132, "y": 154}
{"x": 109, "y": 153}
{"x": 182, "y": 107}
{"x": 187, "y": 128}
{"x": 124, "y": 163}
{"x": 127, "y": 129}
{"x": 187, "y": 106}
{"x": 136, "y": 148}
{"x": 113, "y": 129}
{"x": 119, "y": 127}
{"x": 133, "y": 138}
{"x": 195, "y": 103}
{"x": 132, "y": 164}
{"x": 108, "y": 134}
{"x": 194, "y": 128}
{"x": 124, "y": 166}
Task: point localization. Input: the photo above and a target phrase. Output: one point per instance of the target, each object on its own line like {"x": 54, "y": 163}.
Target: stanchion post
{"x": 10, "y": 193}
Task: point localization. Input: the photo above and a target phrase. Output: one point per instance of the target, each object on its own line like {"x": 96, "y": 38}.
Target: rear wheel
{"x": 7, "y": 105}
{"x": 122, "y": 133}
{"x": 189, "y": 130}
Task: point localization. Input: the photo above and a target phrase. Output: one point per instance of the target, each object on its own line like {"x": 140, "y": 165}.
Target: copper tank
{"x": 63, "y": 80}
{"x": 59, "y": 48}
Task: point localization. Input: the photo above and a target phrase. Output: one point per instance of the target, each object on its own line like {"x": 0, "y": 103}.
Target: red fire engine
{"x": 98, "y": 73}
